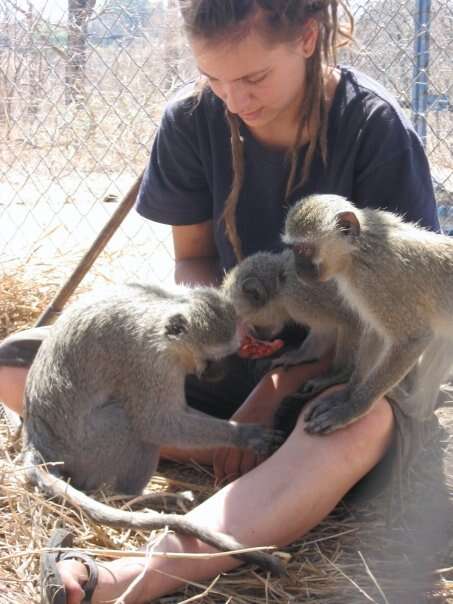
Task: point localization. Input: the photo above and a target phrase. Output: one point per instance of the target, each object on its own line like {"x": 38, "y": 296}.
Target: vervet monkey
{"x": 398, "y": 278}
{"x": 106, "y": 390}
{"x": 267, "y": 293}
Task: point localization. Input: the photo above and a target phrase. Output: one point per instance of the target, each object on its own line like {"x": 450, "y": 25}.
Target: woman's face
{"x": 261, "y": 83}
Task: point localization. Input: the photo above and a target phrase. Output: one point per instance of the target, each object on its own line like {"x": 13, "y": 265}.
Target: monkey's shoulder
{"x": 124, "y": 309}
{"x": 417, "y": 245}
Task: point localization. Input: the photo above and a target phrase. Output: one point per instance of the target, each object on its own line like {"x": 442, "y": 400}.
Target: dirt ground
{"x": 53, "y": 229}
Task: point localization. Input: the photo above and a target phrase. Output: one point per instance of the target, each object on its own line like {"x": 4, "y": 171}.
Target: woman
{"x": 275, "y": 120}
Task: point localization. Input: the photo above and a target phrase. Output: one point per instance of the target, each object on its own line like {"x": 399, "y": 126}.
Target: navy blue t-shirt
{"x": 374, "y": 158}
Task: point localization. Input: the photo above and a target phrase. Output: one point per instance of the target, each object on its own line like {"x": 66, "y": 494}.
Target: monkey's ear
{"x": 348, "y": 223}
{"x": 176, "y": 325}
{"x": 254, "y": 290}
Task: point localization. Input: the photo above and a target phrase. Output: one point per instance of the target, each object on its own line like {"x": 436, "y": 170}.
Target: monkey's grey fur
{"x": 398, "y": 277}
{"x": 266, "y": 292}
{"x": 106, "y": 390}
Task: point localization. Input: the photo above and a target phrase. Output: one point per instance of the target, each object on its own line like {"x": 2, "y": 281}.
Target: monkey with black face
{"x": 267, "y": 294}
{"x": 106, "y": 390}
{"x": 398, "y": 278}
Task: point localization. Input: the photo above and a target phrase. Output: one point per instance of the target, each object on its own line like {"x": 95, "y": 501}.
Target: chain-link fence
{"x": 82, "y": 86}
{"x": 408, "y": 46}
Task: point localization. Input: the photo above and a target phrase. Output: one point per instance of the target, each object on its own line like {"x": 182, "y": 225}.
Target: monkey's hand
{"x": 258, "y": 408}
{"x": 231, "y": 462}
{"x": 261, "y": 440}
{"x": 331, "y": 411}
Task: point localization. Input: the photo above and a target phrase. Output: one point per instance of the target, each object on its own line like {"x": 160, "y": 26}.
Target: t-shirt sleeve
{"x": 174, "y": 189}
{"x": 393, "y": 171}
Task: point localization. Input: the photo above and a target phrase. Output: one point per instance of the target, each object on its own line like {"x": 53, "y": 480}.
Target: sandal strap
{"x": 93, "y": 574}
{"x": 19, "y": 349}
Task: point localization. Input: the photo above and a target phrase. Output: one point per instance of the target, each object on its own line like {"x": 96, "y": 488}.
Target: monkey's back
{"x": 402, "y": 265}
{"x": 78, "y": 382}
{"x": 107, "y": 385}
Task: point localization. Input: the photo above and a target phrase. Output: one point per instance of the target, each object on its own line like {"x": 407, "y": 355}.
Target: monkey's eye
{"x": 304, "y": 249}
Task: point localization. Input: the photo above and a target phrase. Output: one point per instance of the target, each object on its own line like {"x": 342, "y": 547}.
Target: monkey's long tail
{"x": 53, "y": 486}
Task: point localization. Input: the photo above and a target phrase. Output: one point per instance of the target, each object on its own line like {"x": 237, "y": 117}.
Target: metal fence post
{"x": 421, "y": 63}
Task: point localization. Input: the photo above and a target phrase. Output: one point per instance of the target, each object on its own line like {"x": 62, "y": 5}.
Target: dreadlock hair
{"x": 279, "y": 21}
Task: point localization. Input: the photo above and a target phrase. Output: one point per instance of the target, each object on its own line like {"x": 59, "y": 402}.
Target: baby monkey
{"x": 107, "y": 389}
{"x": 398, "y": 278}
{"x": 267, "y": 294}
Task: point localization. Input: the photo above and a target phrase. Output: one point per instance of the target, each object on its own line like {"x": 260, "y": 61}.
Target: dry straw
{"x": 22, "y": 298}
{"x": 352, "y": 557}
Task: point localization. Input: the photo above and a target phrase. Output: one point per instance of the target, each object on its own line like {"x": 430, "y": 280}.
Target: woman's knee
{"x": 359, "y": 445}
{"x": 370, "y": 437}
{"x": 12, "y": 385}
{"x": 373, "y": 432}
{"x": 380, "y": 419}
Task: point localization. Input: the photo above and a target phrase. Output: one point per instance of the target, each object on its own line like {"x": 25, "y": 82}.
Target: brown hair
{"x": 282, "y": 20}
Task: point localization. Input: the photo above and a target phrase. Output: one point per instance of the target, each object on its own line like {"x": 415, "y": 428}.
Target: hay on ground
{"x": 353, "y": 556}
{"x": 22, "y": 300}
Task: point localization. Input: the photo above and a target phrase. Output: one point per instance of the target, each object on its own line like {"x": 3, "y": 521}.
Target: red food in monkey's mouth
{"x": 252, "y": 348}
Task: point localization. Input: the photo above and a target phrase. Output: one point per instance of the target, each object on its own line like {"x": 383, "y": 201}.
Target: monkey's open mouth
{"x": 252, "y": 348}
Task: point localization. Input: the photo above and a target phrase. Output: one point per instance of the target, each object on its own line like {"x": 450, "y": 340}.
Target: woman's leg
{"x": 12, "y": 383}
{"x": 293, "y": 491}
{"x": 276, "y": 503}
{"x": 17, "y": 352}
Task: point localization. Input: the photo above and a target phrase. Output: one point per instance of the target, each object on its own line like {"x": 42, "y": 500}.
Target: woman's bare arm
{"x": 196, "y": 258}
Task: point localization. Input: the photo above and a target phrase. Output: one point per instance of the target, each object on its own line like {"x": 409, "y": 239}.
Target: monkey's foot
{"x": 52, "y": 589}
{"x": 330, "y": 412}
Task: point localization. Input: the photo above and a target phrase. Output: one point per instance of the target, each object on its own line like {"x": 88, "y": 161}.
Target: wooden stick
{"x": 67, "y": 289}
{"x": 70, "y": 285}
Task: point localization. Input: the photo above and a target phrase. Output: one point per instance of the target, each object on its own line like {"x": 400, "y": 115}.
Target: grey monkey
{"x": 106, "y": 390}
{"x": 398, "y": 278}
{"x": 267, "y": 293}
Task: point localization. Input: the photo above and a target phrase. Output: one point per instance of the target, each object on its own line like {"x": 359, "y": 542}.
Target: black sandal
{"x": 52, "y": 588}
{"x": 20, "y": 348}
